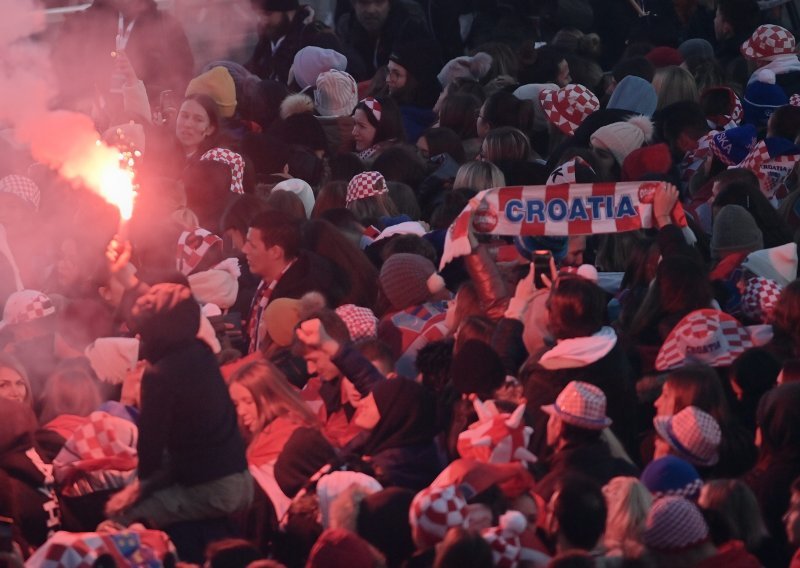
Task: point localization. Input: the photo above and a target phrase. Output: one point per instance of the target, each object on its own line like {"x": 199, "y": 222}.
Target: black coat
{"x": 309, "y": 273}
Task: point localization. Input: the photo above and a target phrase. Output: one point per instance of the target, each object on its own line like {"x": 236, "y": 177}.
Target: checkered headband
{"x": 23, "y": 187}
{"x": 504, "y": 540}
{"x": 374, "y": 107}
{"x": 760, "y": 297}
{"x": 360, "y": 322}
{"x": 582, "y": 405}
{"x": 435, "y": 510}
{"x": 705, "y": 336}
{"x": 365, "y": 184}
{"x": 26, "y": 306}
{"x": 192, "y": 247}
{"x": 768, "y": 40}
{"x": 693, "y": 433}
{"x": 568, "y": 107}
{"x": 231, "y": 159}
{"x": 674, "y": 524}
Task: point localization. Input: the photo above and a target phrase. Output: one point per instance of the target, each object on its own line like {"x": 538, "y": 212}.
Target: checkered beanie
{"x": 231, "y": 159}
{"x": 192, "y": 247}
{"x": 434, "y": 511}
{"x": 407, "y": 280}
{"x": 504, "y": 539}
{"x": 26, "y": 306}
{"x": 360, "y": 322}
{"x": 709, "y": 337}
{"x": 694, "y": 434}
{"x": 768, "y": 41}
{"x": 732, "y": 146}
{"x": 671, "y": 476}
{"x": 23, "y": 187}
{"x": 365, "y": 184}
{"x": 673, "y": 525}
{"x": 759, "y": 298}
{"x": 568, "y": 107}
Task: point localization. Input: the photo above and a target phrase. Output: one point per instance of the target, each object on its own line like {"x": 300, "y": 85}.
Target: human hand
{"x": 664, "y": 202}
{"x": 118, "y": 254}
{"x": 314, "y": 335}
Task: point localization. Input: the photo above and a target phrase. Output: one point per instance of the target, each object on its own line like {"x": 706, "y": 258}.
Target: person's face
{"x": 576, "y": 247}
{"x": 363, "y": 131}
{"x": 367, "y": 416}
{"x": 665, "y": 404}
{"x": 482, "y": 125}
{"x": 371, "y": 14}
{"x": 553, "y": 430}
{"x": 12, "y": 385}
{"x": 319, "y": 363}
{"x": 396, "y": 77}
{"x": 722, "y": 29}
{"x": 564, "y": 78}
{"x": 193, "y": 125}
{"x": 246, "y": 408}
{"x": 423, "y": 149}
{"x": 791, "y": 520}
{"x": 259, "y": 257}
{"x": 272, "y": 25}
{"x": 605, "y": 161}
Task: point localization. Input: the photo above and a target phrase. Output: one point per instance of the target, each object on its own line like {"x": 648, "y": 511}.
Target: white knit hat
{"x": 301, "y": 189}
{"x": 622, "y": 138}
{"x": 336, "y": 93}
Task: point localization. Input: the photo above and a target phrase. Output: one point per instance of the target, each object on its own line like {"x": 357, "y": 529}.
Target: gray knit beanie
{"x": 734, "y": 230}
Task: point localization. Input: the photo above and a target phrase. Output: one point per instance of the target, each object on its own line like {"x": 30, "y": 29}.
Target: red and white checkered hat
{"x": 768, "y": 41}
{"x": 365, "y": 184}
{"x": 693, "y": 434}
{"x": 234, "y": 161}
{"x": 361, "y": 322}
{"x": 759, "y": 298}
{"x": 23, "y": 187}
{"x": 705, "y": 336}
{"x": 569, "y": 106}
{"x": 192, "y": 247}
{"x": 434, "y": 511}
{"x": 674, "y": 524}
{"x": 582, "y": 405}
{"x": 504, "y": 539}
{"x": 497, "y": 437}
{"x": 26, "y": 306}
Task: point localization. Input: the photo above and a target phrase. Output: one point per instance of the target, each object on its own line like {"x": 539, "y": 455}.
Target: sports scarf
{"x": 772, "y": 160}
{"x": 260, "y": 301}
{"x": 557, "y": 210}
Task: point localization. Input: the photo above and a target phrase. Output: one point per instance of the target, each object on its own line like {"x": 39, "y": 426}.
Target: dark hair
{"x": 207, "y": 184}
{"x": 786, "y": 316}
{"x": 785, "y": 122}
{"x": 401, "y": 163}
{"x": 345, "y": 167}
{"x": 638, "y": 66}
{"x": 453, "y": 204}
{"x": 458, "y": 112}
{"x": 433, "y": 363}
{"x": 276, "y": 229}
{"x": 443, "y": 140}
{"x": 231, "y": 553}
{"x": 575, "y": 435}
{"x": 405, "y": 200}
{"x": 742, "y": 15}
{"x": 580, "y": 510}
{"x": 466, "y": 86}
{"x": 390, "y": 126}
{"x": 333, "y": 324}
{"x": 214, "y": 120}
{"x": 461, "y": 548}
{"x": 572, "y": 559}
{"x": 474, "y": 327}
{"x": 504, "y": 109}
{"x": 576, "y": 307}
{"x": 585, "y": 71}
{"x": 240, "y": 212}
{"x": 504, "y": 60}
{"x": 544, "y": 67}
{"x": 707, "y": 72}
{"x": 287, "y": 203}
{"x": 332, "y": 195}
{"x": 699, "y": 386}
{"x": 506, "y": 144}
{"x": 679, "y": 118}
{"x": 412, "y": 244}
{"x": 376, "y": 350}
{"x": 779, "y": 421}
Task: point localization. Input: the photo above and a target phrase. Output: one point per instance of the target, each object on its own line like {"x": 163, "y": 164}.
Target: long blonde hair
{"x": 273, "y": 395}
{"x": 628, "y": 502}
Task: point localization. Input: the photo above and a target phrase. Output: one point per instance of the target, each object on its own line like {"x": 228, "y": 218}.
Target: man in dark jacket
{"x": 284, "y": 28}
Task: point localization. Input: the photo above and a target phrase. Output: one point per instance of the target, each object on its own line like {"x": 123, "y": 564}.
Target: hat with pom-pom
{"x": 434, "y": 511}
{"x": 762, "y": 97}
{"x": 768, "y": 41}
{"x": 732, "y": 146}
{"x": 504, "y": 539}
{"x": 409, "y": 280}
{"x": 622, "y": 138}
{"x": 672, "y": 476}
{"x": 496, "y": 437}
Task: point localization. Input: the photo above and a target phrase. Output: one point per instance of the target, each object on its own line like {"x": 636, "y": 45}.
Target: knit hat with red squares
{"x": 231, "y": 159}
{"x": 580, "y": 404}
{"x": 365, "y": 184}
{"x": 707, "y": 336}
{"x": 504, "y": 539}
{"x": 759, "y": 298}
{"x": 674, "y": 524}
{"x": 360, "y": 322}
{"x": 194, "y": 246}
{"x": 434, "y": 511}
{"x": 569, "y": 106}
{"x": 26, "y": 306}
{"x": 768, "y": 41}
{"x": 692, "y": 434}
{"x": 23, "y": 187}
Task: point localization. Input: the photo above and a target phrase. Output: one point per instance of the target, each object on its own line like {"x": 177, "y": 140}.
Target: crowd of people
{"x": 271, "y": 364}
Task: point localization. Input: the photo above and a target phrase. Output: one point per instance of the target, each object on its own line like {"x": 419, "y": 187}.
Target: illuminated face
{"x": 372, "y": 14}
{"x": 665, "y": 404}
{"x": 273, "y": 25}
{"x": 564, "y": 78}
{"x": 258, "y": 255}
{"x": 246, "y": 408}
{"x": 12, "y": 385}
{"x": 367, "y": 416}
{"x": 193, "y": 125}
{"x": 396, "y": 77}
{"x": 363, "y": 131}
{"x": 423, "y": 149}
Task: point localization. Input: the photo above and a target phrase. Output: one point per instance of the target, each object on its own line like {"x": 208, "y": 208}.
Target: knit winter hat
{"x": 231, "y": 159}
{"x": 112, "y": 358}
{"x": 360, "y": 322}
{"x": 434, "y": 511}
{"x": 768, "y": 41}
{"x": 282, "y": 315}
{"x": 762, "y": 97}
{"x": 335, "y": 483}
{"x": 421, "y": 58}
{"x": 655, "y": 159}
{"x": 218, "y": 84}
{"x": 336, "y": 93}
{"x": 671, "y": 476}
{"x": 193, "y": 248}
{"x": 732, "y": 146}
{"x": 693, "y": 434}
{"x": 311, "y": 61}
{"x": 735, "y": 230}
{"x": 759, "y": 298}
{"x": 477, "y": 368}
{"x": 622, "y": 138}
{"x": 301, "y": 189}
{"x": 580, "y": 404}
{"x": 664, "y": 56}
{"x": 365, "y": 184}
{"x": 777, "y": 263}
{"x": 340, "y": 547}
{"x": 568, "y": 107}
{"x": 504, "y": 539}
{"x": 409, "y": 280}
{"x": 635, "y": 95}
{"x": 26, "y": 306}
{"x": 674, "y": 524}
{"x": 475, "y": 67}
{"x": 696, "y": 47}
{"x": 496, "y": 437}
{"x": 732, "y": 114}
{"x": 23, "y": 187}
